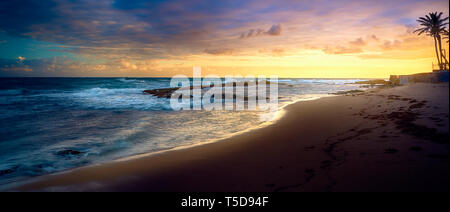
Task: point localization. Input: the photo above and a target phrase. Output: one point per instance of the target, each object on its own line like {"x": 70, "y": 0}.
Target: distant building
{"x": 432, "y": 77}
{"x": 404, "y": 80}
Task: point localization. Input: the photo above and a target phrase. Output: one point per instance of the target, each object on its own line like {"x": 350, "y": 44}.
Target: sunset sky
{"x": 137, "y": 38}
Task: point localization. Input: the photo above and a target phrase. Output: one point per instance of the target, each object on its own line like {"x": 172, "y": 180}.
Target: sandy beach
{"x": 393, "y": 139}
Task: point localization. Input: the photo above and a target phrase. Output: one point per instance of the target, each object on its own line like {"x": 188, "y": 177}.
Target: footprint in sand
{"x": 391, "y": 151}
{"x": 309, "y": 148}
{"x": 416, "y": 148}
{"x": 325, "y": 164}
{"x": 271, "y": 185}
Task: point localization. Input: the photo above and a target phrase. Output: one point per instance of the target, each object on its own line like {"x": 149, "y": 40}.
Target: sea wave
{"x": 109, "y": 98}
{"x": 76, "y": 122}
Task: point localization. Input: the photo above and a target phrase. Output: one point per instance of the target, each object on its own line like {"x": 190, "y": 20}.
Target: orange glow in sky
{"x": 305, "y": 39}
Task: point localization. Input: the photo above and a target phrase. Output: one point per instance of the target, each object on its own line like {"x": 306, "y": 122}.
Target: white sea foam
{"x": 113, "y": 119}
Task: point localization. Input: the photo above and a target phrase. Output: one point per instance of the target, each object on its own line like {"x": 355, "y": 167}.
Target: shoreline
{"x": 280, "y": 113}
{"x": 248, "y": 152}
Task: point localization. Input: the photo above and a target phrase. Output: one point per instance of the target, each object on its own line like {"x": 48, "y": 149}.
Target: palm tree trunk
{"x": 440, "y": 51}
{"x": 437, "y": 53}
{"x": 443, "y": 55}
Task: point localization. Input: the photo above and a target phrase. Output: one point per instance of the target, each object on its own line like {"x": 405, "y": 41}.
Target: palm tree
{"x": 446, "y": 36}
{"x": 434, "y": 25}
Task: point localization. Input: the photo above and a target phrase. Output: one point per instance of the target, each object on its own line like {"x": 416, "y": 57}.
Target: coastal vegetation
{"x": 435, "y": 25}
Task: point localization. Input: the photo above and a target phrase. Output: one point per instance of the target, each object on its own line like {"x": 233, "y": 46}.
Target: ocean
{"x": 49, "y": 125}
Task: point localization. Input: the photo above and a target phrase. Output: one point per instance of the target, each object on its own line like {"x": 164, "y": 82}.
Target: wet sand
{"x": 392, "y": 139}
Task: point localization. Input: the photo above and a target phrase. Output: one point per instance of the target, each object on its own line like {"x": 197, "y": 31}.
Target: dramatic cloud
{"x": 358, "y": 42}
{"x": 15, "y": 69}
{"x": 276, "y": 52}
{"x": 353, "y": 47}
{"x": 342, "y": 50}
{"x": 374, "y": 38}
{"x": 11, "y": 67}
{"x": 223, "y": 51}
{"x": 115, "y": 36}
{"x": 275, "y": 30}
{"x": 21, "y": 59}
{"x": 388, "y": 45}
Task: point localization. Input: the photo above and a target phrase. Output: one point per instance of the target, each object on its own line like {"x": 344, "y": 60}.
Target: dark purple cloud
{"x": 17, "y": 17}
{"x": 275, "y": 30}
{"x": 111, "y": 30}
{"x": 358, "y": 42}
{"x": 220, "y": 51}
{"x": 165, "y": 22}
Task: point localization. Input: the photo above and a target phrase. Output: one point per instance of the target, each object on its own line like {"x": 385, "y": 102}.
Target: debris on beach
{"x": 348, "y": 92}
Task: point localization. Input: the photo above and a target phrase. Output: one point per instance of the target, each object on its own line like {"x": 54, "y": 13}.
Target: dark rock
{"x": 161, "y": 93}
{"x": 167, "y": 92}
{"x": 374, "y": 82}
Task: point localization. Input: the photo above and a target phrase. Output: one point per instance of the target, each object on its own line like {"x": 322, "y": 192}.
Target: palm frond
{"x": 432, "y": 24}
{"x": 421, "y": 31}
